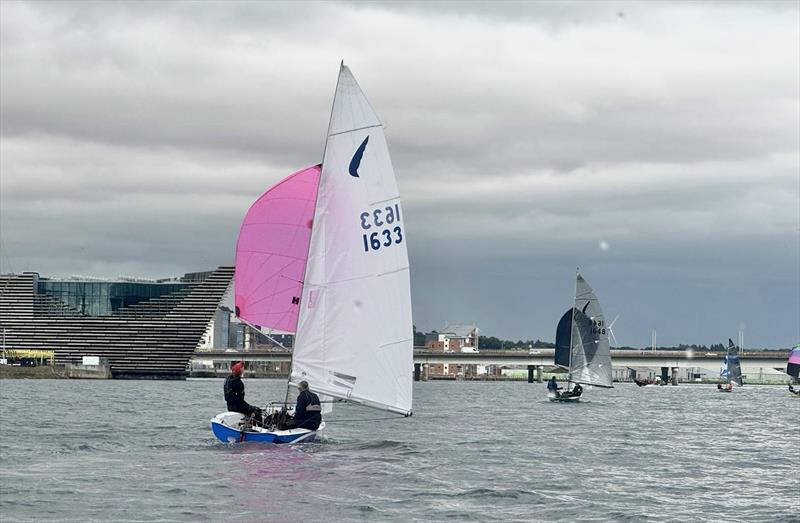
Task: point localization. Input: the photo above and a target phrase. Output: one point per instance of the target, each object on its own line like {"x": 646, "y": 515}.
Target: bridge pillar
{"x": 664, "y": 374}
{"x": 674, "y": 375}
{"x": 530, "y": 373}
{"x": 539, "y": 373}
{"x": 417, "y": 368}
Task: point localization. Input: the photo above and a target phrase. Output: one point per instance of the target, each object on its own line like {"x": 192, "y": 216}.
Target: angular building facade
{"x": 143, "y": 329}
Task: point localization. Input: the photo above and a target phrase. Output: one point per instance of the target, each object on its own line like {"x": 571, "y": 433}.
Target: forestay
{"x": 354, "y": 336}
{"x": 590, "y": 357}
{"x": 271, "y": 252}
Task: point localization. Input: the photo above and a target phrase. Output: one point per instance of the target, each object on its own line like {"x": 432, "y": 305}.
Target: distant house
{"x": 437, "y": 370}
{"x": 453, "y": 338}
{"x": 435, "y": 345}
{"x": 459, "y": 338}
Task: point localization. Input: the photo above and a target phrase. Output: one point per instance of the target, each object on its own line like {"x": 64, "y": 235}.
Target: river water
{"x": 101, "y": 450}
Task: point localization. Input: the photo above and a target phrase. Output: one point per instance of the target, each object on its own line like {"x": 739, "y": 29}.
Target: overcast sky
{"x": 655, "y": 145}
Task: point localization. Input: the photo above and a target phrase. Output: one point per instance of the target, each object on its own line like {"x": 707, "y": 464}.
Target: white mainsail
{"x": 590, "y": 357}
{"x": 354, "y": 333}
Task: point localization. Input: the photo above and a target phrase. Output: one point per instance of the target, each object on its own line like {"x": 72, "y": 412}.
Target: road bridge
{"x": 619, "y": 358}
{"x": 544, "y": 357}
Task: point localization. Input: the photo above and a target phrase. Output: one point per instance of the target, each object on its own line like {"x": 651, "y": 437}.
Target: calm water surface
{"x": 143, "y": 451}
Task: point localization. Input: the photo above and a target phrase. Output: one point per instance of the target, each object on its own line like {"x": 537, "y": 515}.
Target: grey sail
{"x": 793, "y": 365}
{"x": 732, "y": 365}
{"x": 564, "y": 340}
{"x": 590, "y": 354}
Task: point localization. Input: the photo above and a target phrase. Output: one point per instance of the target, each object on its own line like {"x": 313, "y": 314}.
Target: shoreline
{"x": 83, "y": 372}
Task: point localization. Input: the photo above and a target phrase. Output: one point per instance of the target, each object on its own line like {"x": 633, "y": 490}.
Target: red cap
{"x": 237, "y": 368}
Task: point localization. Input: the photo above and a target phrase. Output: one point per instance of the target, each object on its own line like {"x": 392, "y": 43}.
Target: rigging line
{"x": 386, "y": 200}
{"x": 273, "y": 340}
{"x": 368, "y": 419}
{"x": 354, "y": 130}
{"x": 340, "y": 402}
{"x": 355, "y": 278}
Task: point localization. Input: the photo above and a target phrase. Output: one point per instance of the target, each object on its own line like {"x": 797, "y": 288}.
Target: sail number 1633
{"x": 383, "y": 226}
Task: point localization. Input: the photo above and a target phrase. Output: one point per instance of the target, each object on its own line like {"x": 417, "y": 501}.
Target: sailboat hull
{"x": 563, "y": 398}
{"x": 226, "y": 427}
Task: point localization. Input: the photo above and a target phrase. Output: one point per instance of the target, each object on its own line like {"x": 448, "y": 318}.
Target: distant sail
{"x": 732, "y": 367}
{"x": 354, "y": 334}
{"x": 272, "y": 249}
{"x": 590, "y": 358}
{"x": 793, "y": 365}
{"x": 563, "y": 339}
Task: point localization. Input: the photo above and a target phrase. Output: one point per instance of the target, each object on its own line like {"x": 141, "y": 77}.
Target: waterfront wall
{"x": 55, "y": 372}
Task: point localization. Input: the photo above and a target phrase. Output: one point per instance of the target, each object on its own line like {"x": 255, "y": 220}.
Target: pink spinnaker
{"x": 272, "y": 249}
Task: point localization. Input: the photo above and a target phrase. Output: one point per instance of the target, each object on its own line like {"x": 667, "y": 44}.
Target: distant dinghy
{"x": 731, "y": 371}
{"x": 793, "y": 370}
{"x": 323, "y": 254}
{"x": 582, "y": 346}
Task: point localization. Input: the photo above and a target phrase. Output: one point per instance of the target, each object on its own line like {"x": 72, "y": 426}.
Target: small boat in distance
{"x": 731, "y": 371}
{"x": 325, "y": 255}
{"x": 582, "y": 345}
{"x": 793, "y": 370}
{"x": 649, "y": 383}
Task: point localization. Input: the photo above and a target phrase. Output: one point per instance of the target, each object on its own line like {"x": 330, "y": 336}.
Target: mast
{"x": 313, "y": 226}
{"x": 572, "y": 325}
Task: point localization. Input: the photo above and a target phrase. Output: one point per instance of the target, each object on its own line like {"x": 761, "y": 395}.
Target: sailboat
{"x": 323, "y": 254}
{"x": 731, "y": 372}
{"x": 793, "y": 369}
{"x": 582, "y": 345}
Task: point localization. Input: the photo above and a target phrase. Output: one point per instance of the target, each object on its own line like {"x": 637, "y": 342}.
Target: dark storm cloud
{"x": 655, "y": 145}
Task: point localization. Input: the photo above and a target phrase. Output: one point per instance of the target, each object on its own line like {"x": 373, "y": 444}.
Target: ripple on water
{"x": 627, "y": 454}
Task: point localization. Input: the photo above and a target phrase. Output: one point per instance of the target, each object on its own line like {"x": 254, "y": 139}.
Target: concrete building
{"x": 142, "y": 328}
{"x": 459, "y": 338}
{"x": 453, "y": 338}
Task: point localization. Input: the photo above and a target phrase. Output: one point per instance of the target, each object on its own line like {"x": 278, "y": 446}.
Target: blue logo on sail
{"x": 355, "y": 163}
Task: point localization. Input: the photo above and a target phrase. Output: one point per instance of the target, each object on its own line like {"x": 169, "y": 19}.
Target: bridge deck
{"x": 619, "y": 358}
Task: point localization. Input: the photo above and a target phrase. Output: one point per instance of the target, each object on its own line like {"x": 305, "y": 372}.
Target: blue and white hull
{"x": 227, "y": 427}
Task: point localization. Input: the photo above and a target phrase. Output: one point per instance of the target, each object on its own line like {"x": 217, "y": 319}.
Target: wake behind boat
{"x": 322, "y": 253}
{"x": 582, "y": 346}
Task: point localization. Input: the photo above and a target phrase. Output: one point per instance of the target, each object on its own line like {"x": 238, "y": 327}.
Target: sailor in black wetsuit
{"x": 234, "y": 393}
{"x": 577, "y": 391}
{"x": 308, "y": 412}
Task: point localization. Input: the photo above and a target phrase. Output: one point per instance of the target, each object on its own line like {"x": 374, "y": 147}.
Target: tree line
{"x": 494, "y": 343}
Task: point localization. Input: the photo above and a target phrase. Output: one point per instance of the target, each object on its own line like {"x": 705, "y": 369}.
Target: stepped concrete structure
{"x": 141, "y": 328}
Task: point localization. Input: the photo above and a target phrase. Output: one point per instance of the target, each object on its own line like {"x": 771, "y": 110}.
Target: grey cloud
{"x": 135, "y": 136}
